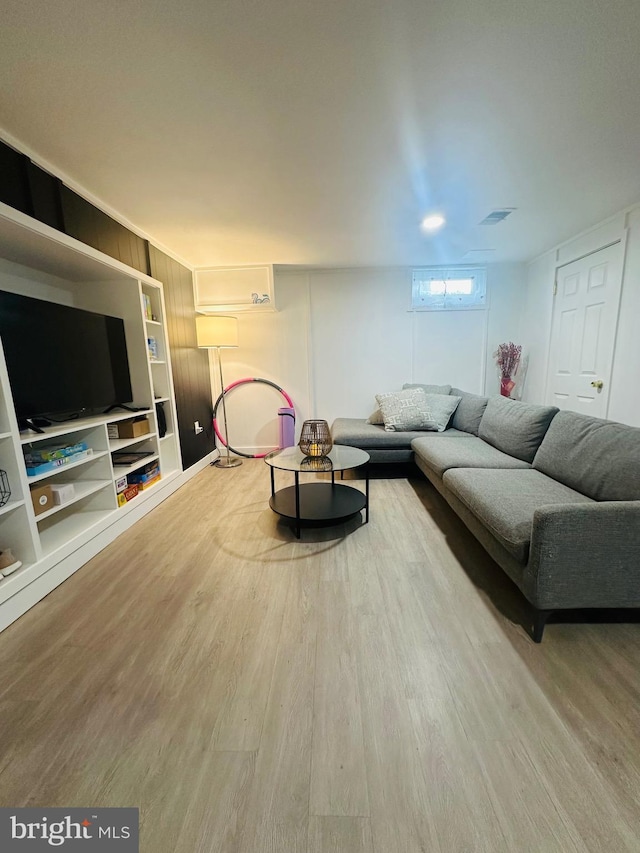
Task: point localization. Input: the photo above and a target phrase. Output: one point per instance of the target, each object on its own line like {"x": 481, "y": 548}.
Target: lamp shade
{"x": 217, "y": 331}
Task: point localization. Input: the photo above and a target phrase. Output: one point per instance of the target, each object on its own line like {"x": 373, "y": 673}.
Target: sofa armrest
{"x": 585, "y": 555}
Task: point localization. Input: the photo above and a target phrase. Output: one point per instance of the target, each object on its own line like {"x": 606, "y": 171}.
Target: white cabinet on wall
{"x": 39, "y": 262}
{"x": 220, "y": 290}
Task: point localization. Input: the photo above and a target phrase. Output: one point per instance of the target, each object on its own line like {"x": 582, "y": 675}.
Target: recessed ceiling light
{"x": 433, "y": 222}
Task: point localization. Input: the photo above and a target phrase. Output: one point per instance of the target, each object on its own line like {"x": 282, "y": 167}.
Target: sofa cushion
{"x": 442, "y": 407}
{"x": 406, "y": 410}
{"x": 514, "y": 427}
{"x": 599, "y": 458}
{"x": 428, "y": 389}
{"x": 469, "y": 452}
{"x": 470, "y": 410}
{"x": 505, "y": 501}
{"x": 356, "y": 432}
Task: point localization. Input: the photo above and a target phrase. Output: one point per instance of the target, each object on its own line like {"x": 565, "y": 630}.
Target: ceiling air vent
{"x": 497, "y": 216}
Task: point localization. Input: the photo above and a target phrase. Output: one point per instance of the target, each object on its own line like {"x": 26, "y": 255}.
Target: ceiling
{"x": 320, "y": 133}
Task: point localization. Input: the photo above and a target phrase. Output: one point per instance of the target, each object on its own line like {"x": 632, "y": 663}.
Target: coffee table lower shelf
{"x": 320, "y": 504}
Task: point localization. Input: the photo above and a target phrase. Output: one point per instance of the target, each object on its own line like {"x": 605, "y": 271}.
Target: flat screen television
{"x": 62, "y": 361}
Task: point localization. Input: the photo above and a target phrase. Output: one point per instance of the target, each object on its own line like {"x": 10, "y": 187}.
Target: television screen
{"x": 62, "y": 360}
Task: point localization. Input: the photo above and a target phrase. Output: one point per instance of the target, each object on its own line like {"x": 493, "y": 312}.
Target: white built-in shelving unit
{"x": 38, "y": 261}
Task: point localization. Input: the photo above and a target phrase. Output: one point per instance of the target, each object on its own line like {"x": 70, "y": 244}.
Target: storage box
{"x": 148, "y": 483}
{"x": 132, "y": 429}
{"x": 144, "y": 476}
{"x": 112, "y": 431}
{"x": 42, "y": 499}
{"x": 128, "y": 495}
{"x": 41, "y": 453}
{"x": 55, "y": 464}
{"x": 63, "y": 493}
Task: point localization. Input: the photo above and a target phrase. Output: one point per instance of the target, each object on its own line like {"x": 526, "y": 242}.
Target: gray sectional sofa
{"x": 553, "y": 496}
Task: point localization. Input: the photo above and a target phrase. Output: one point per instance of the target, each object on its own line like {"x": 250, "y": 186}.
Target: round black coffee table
{"x": 317, "y": 504}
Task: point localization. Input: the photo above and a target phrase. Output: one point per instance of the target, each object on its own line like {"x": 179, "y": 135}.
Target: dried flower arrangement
{"x": 507, "y": 358}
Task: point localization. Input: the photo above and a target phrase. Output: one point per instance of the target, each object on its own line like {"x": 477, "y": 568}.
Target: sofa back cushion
{"x": 470, "y": 410}
{"x": 515, "y": 428}
{"x": 599, "y": 458}
{"x": 428, "y": 389}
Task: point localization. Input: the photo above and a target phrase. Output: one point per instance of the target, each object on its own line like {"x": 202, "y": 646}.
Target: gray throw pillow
{"x": 442, "y": 406}
{"x": 514, "y": 427}
{"x": 470, "y": 410}
{"x": 405, "y": 410}
{"x": 429, "y": 389}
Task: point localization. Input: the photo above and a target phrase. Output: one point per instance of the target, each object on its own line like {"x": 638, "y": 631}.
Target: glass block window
{"x": 448, "y": 288}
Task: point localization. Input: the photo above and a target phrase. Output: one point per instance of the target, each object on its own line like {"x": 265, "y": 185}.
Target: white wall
{"x": 341, "y": 336}
{"x": 624, "y": 399}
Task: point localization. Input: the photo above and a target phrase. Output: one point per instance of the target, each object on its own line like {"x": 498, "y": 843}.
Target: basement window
{"x": 448, "y": 288}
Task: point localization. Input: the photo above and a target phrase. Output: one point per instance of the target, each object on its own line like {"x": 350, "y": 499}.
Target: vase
{"x": 506, "y": 386}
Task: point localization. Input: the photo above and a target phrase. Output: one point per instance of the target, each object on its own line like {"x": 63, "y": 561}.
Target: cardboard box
{"x": 149, "y": 474}
{"x": 42, "y": 499}
{"x": 148, "y": 483}
{"x": 132, "y": 429}
{"x": 63, "y": 493}
{"x": 128, "y": 495}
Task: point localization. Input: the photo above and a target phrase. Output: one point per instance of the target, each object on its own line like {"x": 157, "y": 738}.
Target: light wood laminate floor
{"x": 367, "y": 688}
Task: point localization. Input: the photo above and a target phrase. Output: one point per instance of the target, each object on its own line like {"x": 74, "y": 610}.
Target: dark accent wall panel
{"x": 191, "y": 377}
{"x": 45, "y": 191}
{"x": 14, "y": 185}
{"x": 95, "y": 228}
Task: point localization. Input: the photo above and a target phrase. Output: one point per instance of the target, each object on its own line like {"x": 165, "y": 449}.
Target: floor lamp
{"x": 219, "y": 333}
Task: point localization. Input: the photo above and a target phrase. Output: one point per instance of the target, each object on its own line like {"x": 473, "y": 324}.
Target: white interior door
{"x": 585, "y": 317}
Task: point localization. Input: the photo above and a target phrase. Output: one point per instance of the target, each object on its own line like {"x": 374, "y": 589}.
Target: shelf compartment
{"x": 121, "y": 443}
{"x": 64, "y": 530}
{"x": 153, "y": 322}
{"x": 80, "y": 424}
{"x": 123, "y": 470}
{"x": 68, "y": 467}
{"x": 83, "y": 488}
{"x": 16, "y": 581}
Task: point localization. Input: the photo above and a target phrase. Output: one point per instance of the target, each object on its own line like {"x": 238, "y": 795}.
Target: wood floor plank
{"x": 338, "y": 774}
{"x": 525, "y": 811}
{"x": 278, "y": 806}
{"x": 398, "y": 796}
{"x": 329, "y": 834}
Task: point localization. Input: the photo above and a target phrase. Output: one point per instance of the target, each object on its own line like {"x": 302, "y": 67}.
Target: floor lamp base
{"x": 227, "y": 462}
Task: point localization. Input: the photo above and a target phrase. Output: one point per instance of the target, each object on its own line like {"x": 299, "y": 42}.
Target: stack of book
{"x": 145, "y": 477}
{"x": 49, "y": 457}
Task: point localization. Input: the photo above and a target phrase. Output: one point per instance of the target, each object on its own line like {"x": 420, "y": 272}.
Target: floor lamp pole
{"x": 225, "y": 462}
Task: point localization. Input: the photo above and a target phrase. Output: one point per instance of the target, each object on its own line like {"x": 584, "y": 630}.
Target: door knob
{"x": 597, "y": 383}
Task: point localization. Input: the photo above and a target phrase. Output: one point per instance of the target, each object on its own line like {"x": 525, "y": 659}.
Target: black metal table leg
{"x": 366, "y": 491}
{"x": 297, "y": 477}
{"x": 273, "y": 482}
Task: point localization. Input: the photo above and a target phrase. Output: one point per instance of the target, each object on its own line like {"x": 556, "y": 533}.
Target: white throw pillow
{"x": 406, "y": 410}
